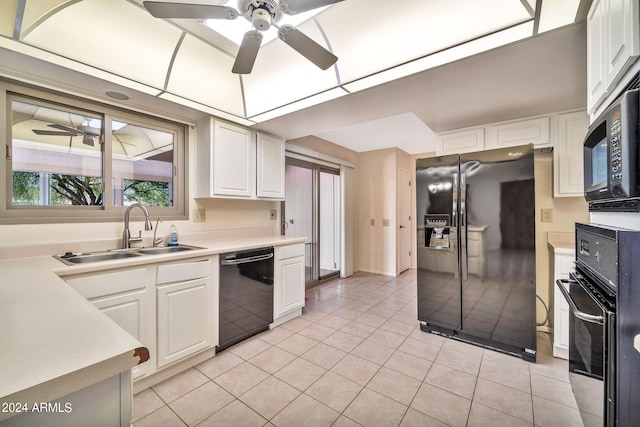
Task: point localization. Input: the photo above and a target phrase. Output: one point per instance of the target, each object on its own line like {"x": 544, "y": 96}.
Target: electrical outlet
{"x": 273, "y": 214}
{"x": 547, "y": 215}
{"x": 199, "y": 215}
{"x": 372, "y": 221}
{"x": 385, "y": 222}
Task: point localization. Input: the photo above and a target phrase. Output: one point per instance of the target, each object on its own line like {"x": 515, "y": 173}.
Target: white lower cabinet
{"x": 562, "y": 266}
{"x": 184, "y": 297}
{"x": 289, "y": 281}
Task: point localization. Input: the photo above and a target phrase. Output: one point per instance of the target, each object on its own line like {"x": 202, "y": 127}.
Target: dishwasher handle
{"x": 599, "y": 320}
{"x": 238, "y": 261}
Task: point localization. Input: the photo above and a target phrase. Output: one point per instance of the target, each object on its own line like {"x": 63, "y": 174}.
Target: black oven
{"x": 611, "y": 180}
{"x": 604, "y": 299}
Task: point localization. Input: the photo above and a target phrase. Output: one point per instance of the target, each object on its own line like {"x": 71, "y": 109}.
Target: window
{"x": 69, "y": 160}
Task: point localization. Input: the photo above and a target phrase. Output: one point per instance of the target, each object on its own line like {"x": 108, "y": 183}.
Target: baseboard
{"x": 382, "y": 273}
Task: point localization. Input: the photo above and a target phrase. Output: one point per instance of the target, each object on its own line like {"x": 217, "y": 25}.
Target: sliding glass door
{"x": 312, "y": 210}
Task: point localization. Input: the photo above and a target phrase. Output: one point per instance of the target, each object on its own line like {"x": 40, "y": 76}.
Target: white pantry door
{"x": 404, "y": 220}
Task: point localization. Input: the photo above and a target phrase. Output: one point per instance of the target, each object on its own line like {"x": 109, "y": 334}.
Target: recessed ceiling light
{"x": 117, "y": 95}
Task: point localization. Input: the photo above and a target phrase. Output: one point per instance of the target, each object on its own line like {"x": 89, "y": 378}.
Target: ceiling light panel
{"x": 112, "y": 35}
{"x": 202, "y": 73}
{"x": 300, "y": 105}
{"x": 7, "y": 17}
{"x": 370, "y": 39}
{"x": 557, "y": 13}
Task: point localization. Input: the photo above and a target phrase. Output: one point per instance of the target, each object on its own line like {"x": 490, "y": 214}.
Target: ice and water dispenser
{"x": 437, "y": 229}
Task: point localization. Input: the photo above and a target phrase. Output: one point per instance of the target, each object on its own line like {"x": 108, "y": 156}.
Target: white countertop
{"x": 53, "y": 341}
{"x": 561, "y": 242}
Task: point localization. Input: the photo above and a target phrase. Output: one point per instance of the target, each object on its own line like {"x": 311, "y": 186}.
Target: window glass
{"x": 142, "y": 165}
{"x": 56, "y": 156}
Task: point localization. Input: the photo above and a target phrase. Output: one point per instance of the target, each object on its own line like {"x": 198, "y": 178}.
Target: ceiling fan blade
{"x": 87, "y": 140}
{"x": 70, "y": 130}
{"x": 52, "y": 132}
{"x": 307, "y": 47}
{"x": 297, "y": 6}
{"x": 247, "y": 53}
{"x": 160, "y": 9}
{"x": 90, "y": 130}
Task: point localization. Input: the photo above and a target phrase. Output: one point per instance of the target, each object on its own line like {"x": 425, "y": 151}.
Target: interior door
{"x": 404, "y": 220}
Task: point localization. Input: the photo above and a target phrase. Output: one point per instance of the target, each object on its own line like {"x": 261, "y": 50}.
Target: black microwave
{"x": 611, "y": 156}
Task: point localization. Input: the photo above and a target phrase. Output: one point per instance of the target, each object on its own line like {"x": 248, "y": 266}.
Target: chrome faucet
{"x": 126, "y": 235}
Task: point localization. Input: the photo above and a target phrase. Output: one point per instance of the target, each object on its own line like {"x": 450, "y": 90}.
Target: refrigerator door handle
{"x": 454, "y": 209}
{"x": 464, "y": 253}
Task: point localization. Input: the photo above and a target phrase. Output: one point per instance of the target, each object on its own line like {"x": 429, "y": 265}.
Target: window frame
{"x": 19, "y": 214}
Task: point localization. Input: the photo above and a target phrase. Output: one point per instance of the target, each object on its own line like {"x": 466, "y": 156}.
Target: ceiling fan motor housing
{"x": 262, "y": 12}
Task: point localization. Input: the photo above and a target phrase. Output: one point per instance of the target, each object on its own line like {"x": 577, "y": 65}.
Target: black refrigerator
{"x": 476, "y": 248}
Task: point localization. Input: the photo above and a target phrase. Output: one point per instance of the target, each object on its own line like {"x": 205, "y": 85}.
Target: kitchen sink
{"x": 166, "y": 249}
{"x": 71, "y": 258}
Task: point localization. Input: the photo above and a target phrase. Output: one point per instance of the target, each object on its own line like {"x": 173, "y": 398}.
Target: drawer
{"x": 180, "y": 272}
{"x": 109, "y": 283}
{"x": 290, "y": 251}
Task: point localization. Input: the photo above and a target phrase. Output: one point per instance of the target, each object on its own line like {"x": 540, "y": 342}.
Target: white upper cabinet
{"x": 613, "y": 44}
{"x": 460, "y": 141}
{"x": 271, "y": 167}
{"x": 231, "y": 164}
{"x": 568, "y": 170}
{"x": 518, "y": 132}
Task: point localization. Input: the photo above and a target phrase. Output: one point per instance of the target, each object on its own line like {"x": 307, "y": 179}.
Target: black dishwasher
{"x": 246, "y": 295}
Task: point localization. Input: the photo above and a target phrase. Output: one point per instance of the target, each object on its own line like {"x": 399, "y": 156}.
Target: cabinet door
{"x": 271, "y": 167}
{"x": 130, "y": 312}
{"x": 184, "y": 319}
{"x": 289, "y": 293}
{"x": 563, "y": 265}
{"x": 233, "y": 161}
{"x": 596, "y": 78}
{"x": 464, "y": 141}
{"x": 567, "y": 155}
{"x": 621, "y": 37}
{"x": 533, "y": 131}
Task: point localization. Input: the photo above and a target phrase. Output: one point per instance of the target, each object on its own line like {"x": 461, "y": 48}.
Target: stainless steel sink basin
{"x": 72, "y": 259}
{"x": 166, "y": 250}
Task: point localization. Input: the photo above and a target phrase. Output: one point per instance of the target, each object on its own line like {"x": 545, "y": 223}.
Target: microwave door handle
{"x": 599, "y": 320}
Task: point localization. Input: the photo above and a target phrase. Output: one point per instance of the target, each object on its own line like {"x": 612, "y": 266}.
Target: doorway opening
{"x": 312, "y": 209}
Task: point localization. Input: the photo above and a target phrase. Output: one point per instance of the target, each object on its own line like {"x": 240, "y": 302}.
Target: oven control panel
{"x": 598, "y": 253}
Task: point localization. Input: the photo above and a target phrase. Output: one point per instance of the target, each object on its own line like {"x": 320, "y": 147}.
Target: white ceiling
{"x": 181, "y": 69}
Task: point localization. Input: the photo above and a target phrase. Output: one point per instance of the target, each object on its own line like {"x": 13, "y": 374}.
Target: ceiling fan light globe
{"x": 261, "y": 20}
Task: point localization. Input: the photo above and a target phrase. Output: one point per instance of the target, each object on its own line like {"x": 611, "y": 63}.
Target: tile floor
{"x": 356, "y": 357}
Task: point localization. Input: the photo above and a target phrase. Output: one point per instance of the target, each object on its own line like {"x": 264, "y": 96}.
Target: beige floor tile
{"x": 313, "y": 315}
{"x": 200, "y": 403}
{"x": 356, "y": 369}
{"x": 358, "y": 329}
{"x": 406, "y": 317}
{"x": 334, "y": 390}
{"x": 343, "y": 421}
{"x": 241, "y": 378}
{"x": 382, "y": 311}
{"x": 343, "y": 341}
{"x": 554, "y": 390}
{"x": 275, "y": 335}
{"x": 296, "y": 324}
{"x": 348, "y": 313}
{"x": 372, "y": 409}
{"x": 297, "y": 344}
{"x": 463, "y": 347}
{"x": 249, "y": 348}
{"x": 305, "y": 411}
{"x": 371, "y": 319}
{"x": 388, "y": 338}
{"x": 505, "y": 399}
{"x": 333, "y": 321}
{"x": 300, "y": 374}
{"x": 551, "y": 367}
{"x": 272, "y": 359}
{"x": 398, "y": 327}
{"x": 269, "y": 397}
{"x": 551, "y": 414}
{"x": 317, "y": 332}
{"x": 483, "y": 416}
{"x": 414, "y": 418}
{"x": 394, "y": 385}
{"x": 447, "y": 407}
{"x": 506, "y": 359}
{"x": 144, "y": 403}
{"x": 179, "y": 385}
{"x": 452, "y": 380}
{"x": 433, "y": 339}
{"x": 373, "y": 352}
{"x": 219, "y": 364}
{"x": 517, "y": 377}
{"x": 234, "y": 414}
{"x": 419, "y": 348}
{"x": 324, "y": 355}
{"x": 162, "y": 417}
{"x": 460, "y": 361}
{"x": 408, "y": 364}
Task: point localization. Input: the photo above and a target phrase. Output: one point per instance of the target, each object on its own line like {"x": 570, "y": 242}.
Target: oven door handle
{"x": 599, "y": 320}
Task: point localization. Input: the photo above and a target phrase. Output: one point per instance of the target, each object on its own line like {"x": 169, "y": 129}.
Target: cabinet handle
{"x": 246, "y": 260}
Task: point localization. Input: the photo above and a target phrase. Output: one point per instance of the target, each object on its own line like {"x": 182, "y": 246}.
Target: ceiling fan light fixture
{"x": 261, "y": 19}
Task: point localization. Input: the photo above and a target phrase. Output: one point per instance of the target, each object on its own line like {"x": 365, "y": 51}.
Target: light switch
{"x": 199, "y": 215}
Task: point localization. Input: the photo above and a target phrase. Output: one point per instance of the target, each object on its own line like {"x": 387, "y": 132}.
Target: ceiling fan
{"x": 262, "y": 14}
{"x": 87, "y": 132}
